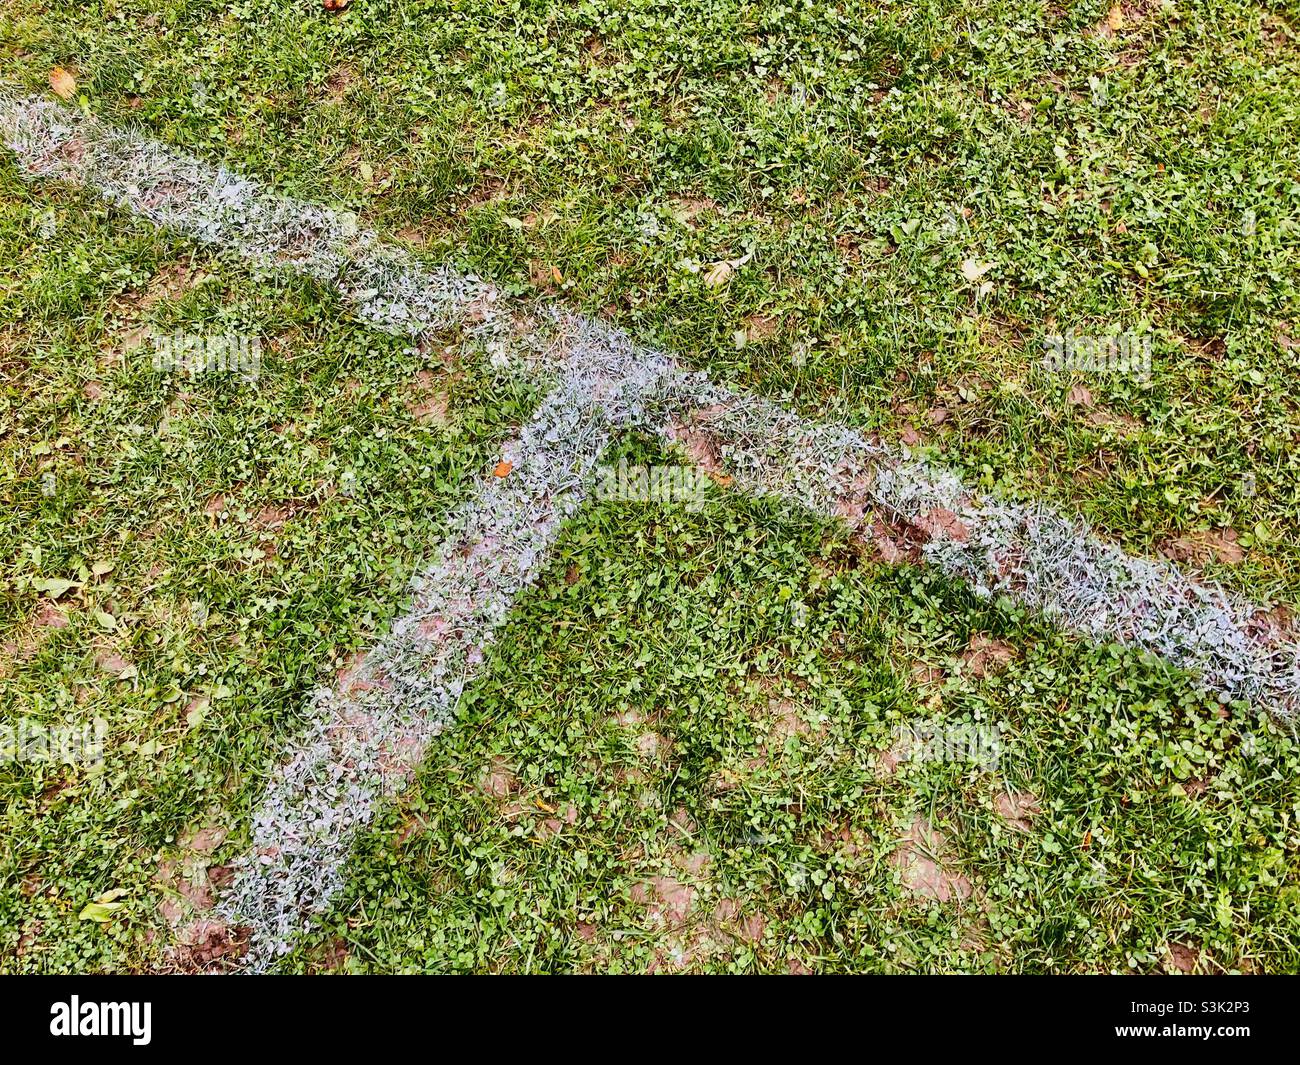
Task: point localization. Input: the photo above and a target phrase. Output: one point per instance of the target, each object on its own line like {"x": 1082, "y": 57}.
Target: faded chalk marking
{"x": 1051, "y": 563}
{"x": 365, "y": 737}
{"x": 222, "y": 209}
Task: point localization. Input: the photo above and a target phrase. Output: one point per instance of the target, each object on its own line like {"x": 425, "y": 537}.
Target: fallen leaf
{"x": 1115, "y": 17}
{"x": 63, "y": 83}
{"x": 502, "y": 468}
{"x": 335, "y": 5}
{"x": 56, "y": 587}
{"x": 721, "y": 272}
{"x": 973, "y": 269}
{"x": 103, "y": 908}
{"x": 1079, "y": 397}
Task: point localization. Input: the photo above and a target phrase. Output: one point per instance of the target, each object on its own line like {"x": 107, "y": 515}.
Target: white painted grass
{"x": 1031, "y": 553}
{"x": 364, "y": 738}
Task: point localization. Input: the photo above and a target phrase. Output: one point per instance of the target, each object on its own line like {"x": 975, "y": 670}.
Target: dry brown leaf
{"x": 63, "y": 83}
{"x": 721, "y": 272}
{"x": 1115, "y": 17}
{"x": 502, "y": 468}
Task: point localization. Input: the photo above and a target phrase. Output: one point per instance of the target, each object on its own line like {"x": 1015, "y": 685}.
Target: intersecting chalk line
{"x": 364, "y": 738}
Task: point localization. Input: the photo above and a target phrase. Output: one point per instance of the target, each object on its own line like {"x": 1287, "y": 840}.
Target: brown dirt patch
{"x": 208, "y": 945}
{"x": 986, "y": 655}
{"x": 924, "y": 871}
{"x": 498, "y": 781}
{"x": 760, "y": 327}
{"x": 429, "y": 402}
{"x": 1017, "y": 809}
{"x": 698, "y": 443}
{"x": 891, "y": 542}
{"x": 190, "y": 883}
{"x": 941, "y": 524}
{"x": 690, "y": 931}
{"x": 1218, "y": 545}
{"x": 1181, "y": 958}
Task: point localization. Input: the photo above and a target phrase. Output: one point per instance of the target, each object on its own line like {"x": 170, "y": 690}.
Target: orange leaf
{"x": 63, "y": 83}
{"x": 502, "y": 468}
{"x": 1115, "y": 17}
{"x": 556, "y": 276}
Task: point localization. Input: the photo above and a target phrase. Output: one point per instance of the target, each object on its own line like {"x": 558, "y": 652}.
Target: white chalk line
{"x": 366, "y": 736}
{"x": 1031, "y": 553}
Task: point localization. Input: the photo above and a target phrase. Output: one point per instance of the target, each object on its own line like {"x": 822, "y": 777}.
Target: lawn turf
{"x": 1135, "y": 173}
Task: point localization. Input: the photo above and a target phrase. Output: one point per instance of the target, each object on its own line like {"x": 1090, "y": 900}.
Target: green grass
{"x": 255, "y": 533}
{"x": 1144, "y": 180}
{"x": 688, "y": 628}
